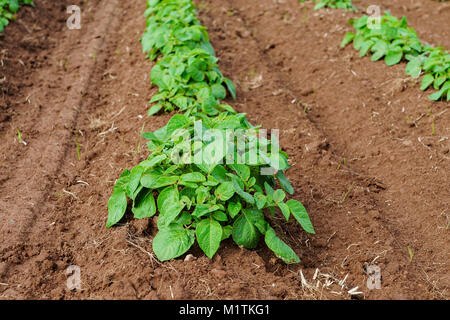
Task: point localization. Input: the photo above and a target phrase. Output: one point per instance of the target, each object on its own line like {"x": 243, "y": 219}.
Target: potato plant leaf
{"x": 117, "y": 205}
{"x": 300, "y": 214}
{"x": 281, "y": 249}
{"x": 209, "y": 236}
{"x": 172, "y": 242}
{"x": 144, "y": 205}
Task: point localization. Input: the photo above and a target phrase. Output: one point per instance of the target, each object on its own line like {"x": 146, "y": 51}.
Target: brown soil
{"x": 90, "y": 88}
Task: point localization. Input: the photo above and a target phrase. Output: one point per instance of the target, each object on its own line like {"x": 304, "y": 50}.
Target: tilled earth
{"x": 369, "y": 154}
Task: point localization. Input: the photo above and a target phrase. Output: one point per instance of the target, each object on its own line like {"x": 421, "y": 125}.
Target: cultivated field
{"x": 368, "y": 154}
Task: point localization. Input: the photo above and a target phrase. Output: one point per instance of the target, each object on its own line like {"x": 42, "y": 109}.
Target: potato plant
{"x": 208, "y": 200}
{"x": 393, "y": 40}
{"x": 435, "y": 64}
{"x": 172, "y": 25}
{"x": 210, "y": 175}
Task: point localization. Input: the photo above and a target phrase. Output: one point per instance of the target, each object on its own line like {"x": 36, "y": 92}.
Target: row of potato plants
{"x": 218, "y": 194}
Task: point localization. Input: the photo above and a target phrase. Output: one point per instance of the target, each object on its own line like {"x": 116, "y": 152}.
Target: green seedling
{"x": 19, "y": 136}
{"x": 411, "y": 254}
{"x": 77, "y": 145}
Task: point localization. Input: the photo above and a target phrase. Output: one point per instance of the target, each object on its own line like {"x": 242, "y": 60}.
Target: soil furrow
{"x": 34, "y": 173}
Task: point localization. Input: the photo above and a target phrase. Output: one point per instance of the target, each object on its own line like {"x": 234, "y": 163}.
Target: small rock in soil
{"x": 218, "y": 273}
{"x": 189, "y": 258}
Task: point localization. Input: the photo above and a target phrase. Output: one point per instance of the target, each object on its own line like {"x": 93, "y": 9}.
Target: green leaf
{"x": 365, "y": 47}
{"x": 348, "y": 38}
{"x": 439, "y": 81}
{"x": 220, "y": 216}
{"x": 209, "y": 106}
{"x": 202, "y": 194}
{"x": 220, "y": 173}
{"x": 169, "y": 194}
{"x": 245, "y": 233}
{"x": 144, "y": 205}
{"x": 393, "y": 57}
{"x": 152, "y": 181}
{"x": 218, "y": 91}
{"x": 414, "y": 68}
{"x": 117, "y": 205}
{"x": 285, "y": 210}
{"x": 169, "y": 212}
{"x": 426, "y": 81}
{"x": 437, "y": 95}
{"x": 380, "y": 48}
{"x": 172, "y": 242}
{"x": 225, "y": 191}
{"x": 278, "y": 196}
{"x": 155, "y": 109}
{"x": 242, "y": 171}
{"x": 184, "y": 218}
{"x": 203, "y": 209}
{"x": 153, "y": 161}
{"x": 284, "y": 182}
{"x": 300, "y": 214}
{"x": 196, "y": 177}
{"x": 121, "y": 183}
{"x": 226, "y": 232}
{"x": 231, "y": 87}
{"x": 260, "y": 200}
{"x": 169, "y": 206}
{"x": 281, "y": 249}
{"x": 178, "y": 121}
{"x": 269, "y": 189}
{"x": 244, "y": 195}
{"x": 134, "y": 180}
{"x": 209, "y": 236}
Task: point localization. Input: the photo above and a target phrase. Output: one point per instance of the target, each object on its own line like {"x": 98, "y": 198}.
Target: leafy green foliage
{"x": 187, "y": 76}
{"x": 394, "y": 41}
{"x": 8, "y": 9}
{"x": 172, "y": 26}
{"x": 334, "y": 4}
{"x": 435, "y": 64}
{"x": 216, "y": 199}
